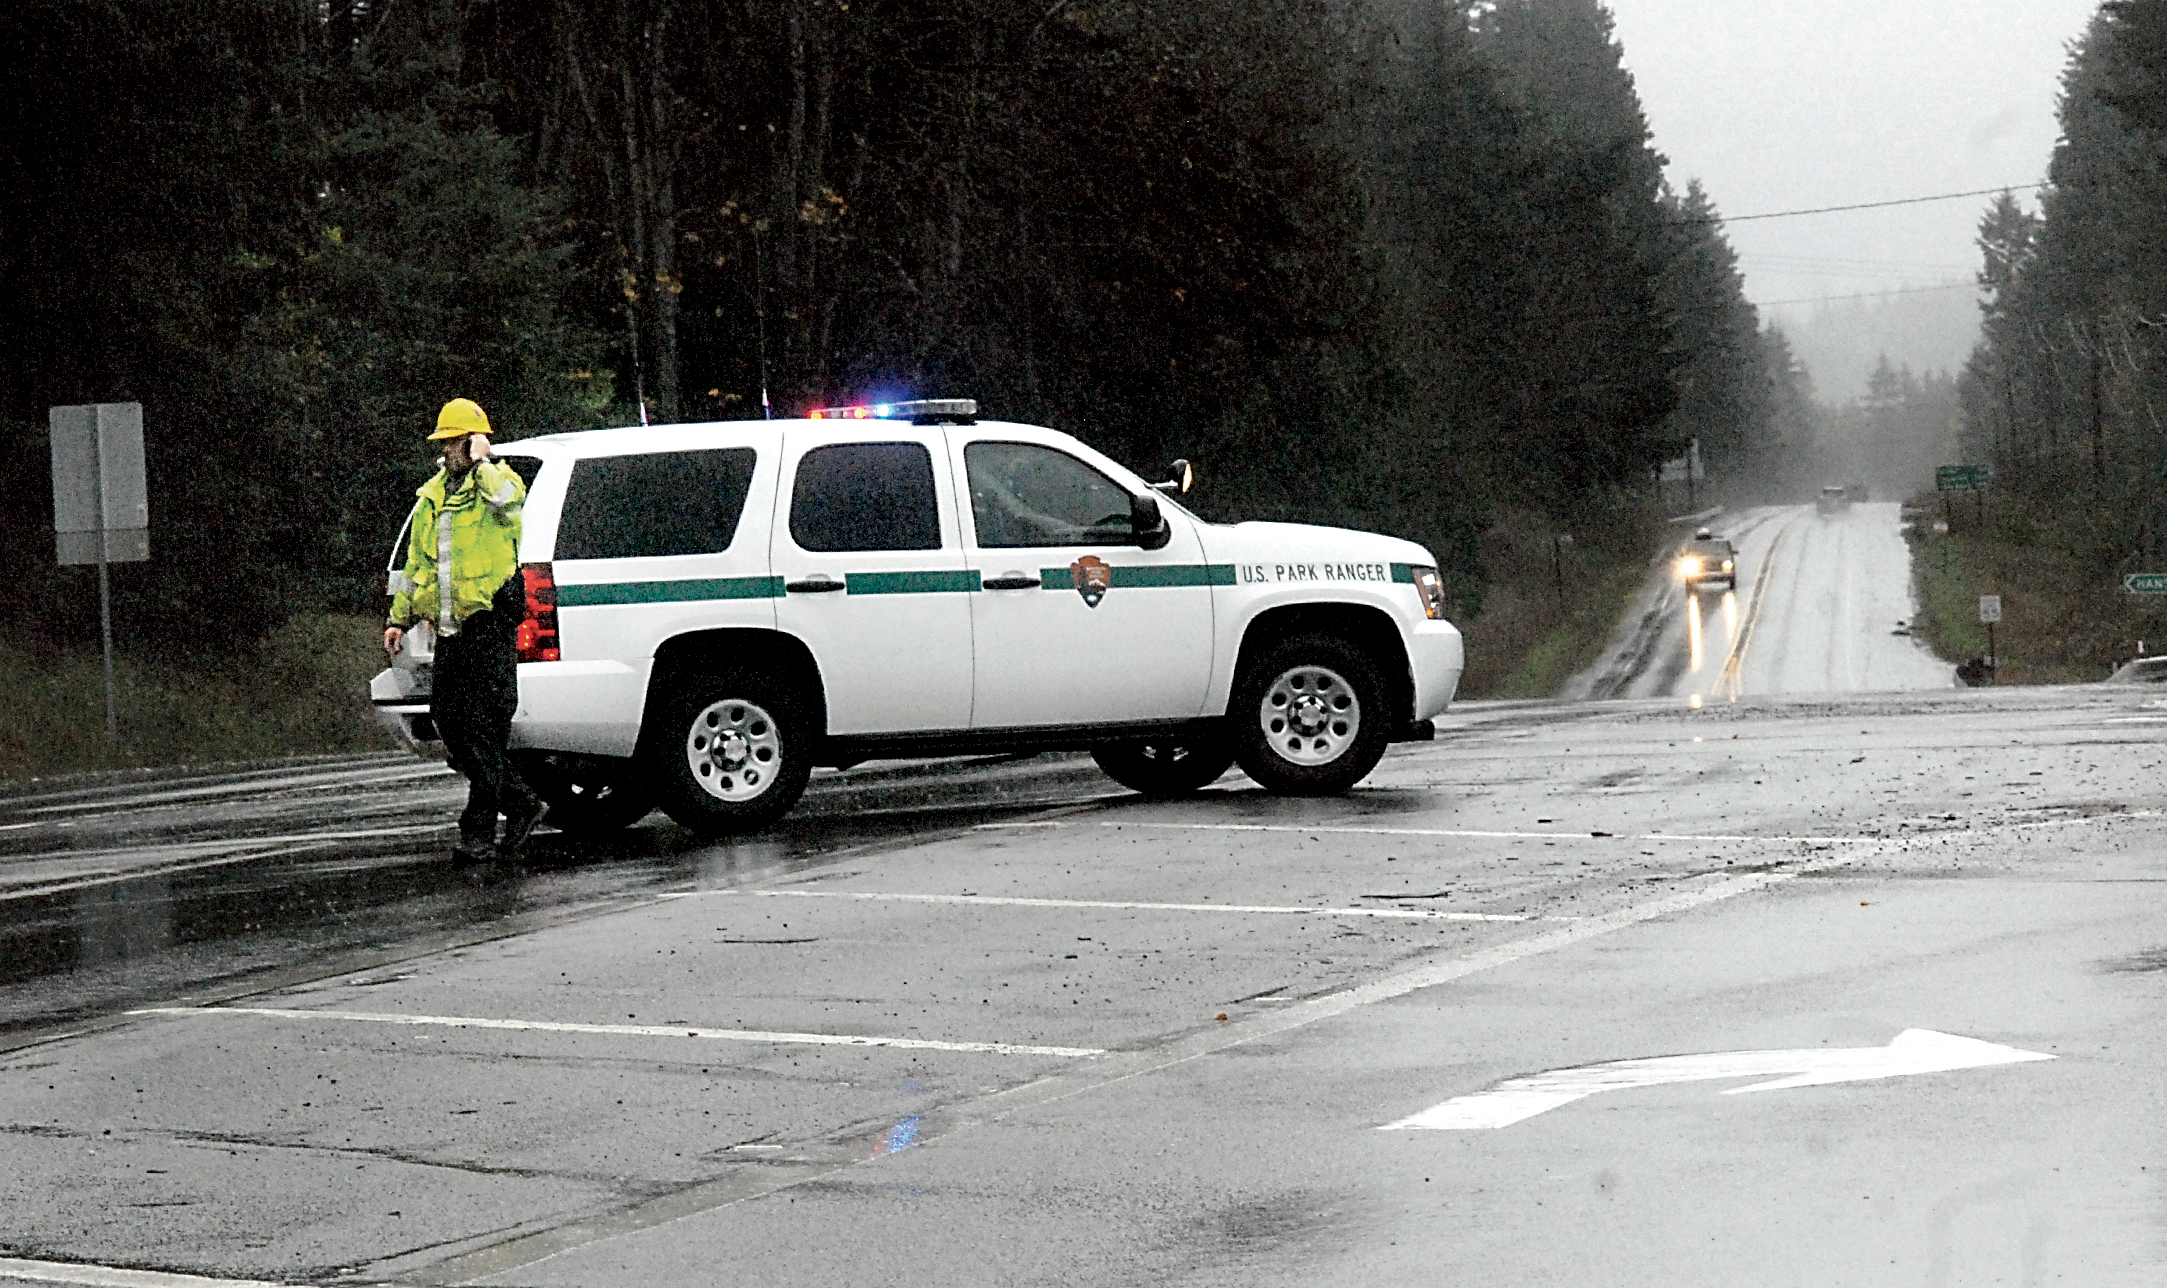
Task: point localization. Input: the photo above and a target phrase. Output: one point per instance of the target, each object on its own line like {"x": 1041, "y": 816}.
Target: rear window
{"x": 865, "y": 496}
{"x": 662, "y": 503}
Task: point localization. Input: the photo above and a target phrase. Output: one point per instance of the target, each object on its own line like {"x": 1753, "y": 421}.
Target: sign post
{"x": 101, "y": 506}
{"x": 1963, "y": 478}
{"x": 1990, "y": 613}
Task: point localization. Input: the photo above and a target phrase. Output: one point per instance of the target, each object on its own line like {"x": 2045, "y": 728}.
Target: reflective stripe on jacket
{"x": 474, "y": 532}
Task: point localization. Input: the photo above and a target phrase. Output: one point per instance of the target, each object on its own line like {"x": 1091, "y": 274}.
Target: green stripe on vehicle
{"x": 910, "y": 583}
{"x": 1404, "y": 573}
{"x": 691, "y": 589}
{"x": 1145, "y": 576}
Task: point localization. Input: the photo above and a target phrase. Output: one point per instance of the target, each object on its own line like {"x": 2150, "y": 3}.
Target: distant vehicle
{"x": 1708, "y": 559}
{"x": 1855, "y": 493}
{"x": 1834, "y": 500}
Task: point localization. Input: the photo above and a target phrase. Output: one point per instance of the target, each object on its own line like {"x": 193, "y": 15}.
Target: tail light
{"x": 537, "y": 637}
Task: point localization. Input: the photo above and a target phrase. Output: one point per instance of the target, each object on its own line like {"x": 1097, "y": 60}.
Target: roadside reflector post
{"x": 101, "y": 507}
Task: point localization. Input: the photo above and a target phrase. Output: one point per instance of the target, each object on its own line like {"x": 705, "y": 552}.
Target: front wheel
{"x": 1165, "y": 768}
{"x": 730, "y": 753}
{"x": 1309, "y": 717}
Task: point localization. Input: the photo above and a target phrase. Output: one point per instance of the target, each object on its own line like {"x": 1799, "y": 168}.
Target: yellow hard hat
{"x": 460, "y": 417}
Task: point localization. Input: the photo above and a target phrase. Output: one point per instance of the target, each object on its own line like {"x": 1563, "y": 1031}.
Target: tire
{"x": 1342, "y": 722}
{"x": 716, "y": 784}
{"x": 587, "y": 799}
{"x": 1166, "y": 768}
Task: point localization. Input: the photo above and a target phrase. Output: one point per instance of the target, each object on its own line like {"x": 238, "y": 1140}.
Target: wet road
{"x": 1050, "y": 1033}
{"x": 1823, "y": 605}
{"x": 147, "y": 886}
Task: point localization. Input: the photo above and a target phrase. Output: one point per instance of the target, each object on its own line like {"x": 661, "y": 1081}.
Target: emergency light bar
{"x": 913, "y": 410}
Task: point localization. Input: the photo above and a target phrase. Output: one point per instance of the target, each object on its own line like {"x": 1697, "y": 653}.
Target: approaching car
{"x": 1833, "y": 500}
{"x": 712, "y": 610}
{"x": 1708, "y": 560}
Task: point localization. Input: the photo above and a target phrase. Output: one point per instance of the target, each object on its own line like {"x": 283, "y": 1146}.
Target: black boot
{"x": 473, "y": 849}
{"x": 519, "y": 823}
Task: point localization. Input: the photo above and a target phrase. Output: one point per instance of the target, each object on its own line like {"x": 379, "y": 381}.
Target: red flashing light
{"x": 536, "y": 640}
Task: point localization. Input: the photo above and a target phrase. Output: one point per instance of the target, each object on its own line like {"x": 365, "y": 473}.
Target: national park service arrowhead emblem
{"x": 1094, "y": 576}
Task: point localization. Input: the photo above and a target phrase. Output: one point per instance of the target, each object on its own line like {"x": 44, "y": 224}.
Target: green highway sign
{"x": 2145, "y": 583}
{"x": 1960, "y": 478}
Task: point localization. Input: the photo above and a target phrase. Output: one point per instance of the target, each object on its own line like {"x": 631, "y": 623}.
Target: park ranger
{"x": 462, "y": 574}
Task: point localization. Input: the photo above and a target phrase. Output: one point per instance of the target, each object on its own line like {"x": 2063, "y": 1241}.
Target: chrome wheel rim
{"x": 1310, "y": 715}
{"x": 733, "y": 750}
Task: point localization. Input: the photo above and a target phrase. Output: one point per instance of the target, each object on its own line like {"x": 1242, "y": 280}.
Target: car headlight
{"x": 1726, "y": 565}
{"x": 1432, "y": 591}
{"x": 1690, "y": 566}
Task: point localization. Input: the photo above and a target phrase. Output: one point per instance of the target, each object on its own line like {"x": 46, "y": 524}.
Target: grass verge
{"x": 2065, "y": 617}
{"x": 303, "y": 690}
{"x": 1549, "y": 611}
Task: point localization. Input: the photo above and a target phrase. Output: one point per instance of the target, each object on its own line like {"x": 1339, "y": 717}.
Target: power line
{"x": 1863, "y": 295}
{"x": 1870, "y": 205}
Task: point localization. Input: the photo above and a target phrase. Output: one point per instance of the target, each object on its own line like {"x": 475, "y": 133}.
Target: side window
{"x": 1023, "y": 494}
{"x": 526, "y": 467}
{"x": 662, "y": 503}
{"x": 865, "y": 496}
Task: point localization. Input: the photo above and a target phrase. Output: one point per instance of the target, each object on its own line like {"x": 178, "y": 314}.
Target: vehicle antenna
{"x": 759, "y": 312}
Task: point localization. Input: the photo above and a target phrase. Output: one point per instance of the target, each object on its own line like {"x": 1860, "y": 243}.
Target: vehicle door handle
{"x": 1012, "y": 583}
{"x": 822, "y": 586}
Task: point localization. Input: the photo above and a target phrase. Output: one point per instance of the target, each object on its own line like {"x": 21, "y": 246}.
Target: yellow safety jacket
{"x": 473, "y": 533}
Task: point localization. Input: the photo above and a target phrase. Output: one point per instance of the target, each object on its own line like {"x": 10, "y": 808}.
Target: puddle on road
{"x": 86, "y": 952}
{"x": 2154, "y": 959}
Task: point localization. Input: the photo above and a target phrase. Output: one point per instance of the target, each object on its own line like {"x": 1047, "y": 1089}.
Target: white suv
{"x": 713, "y": 610}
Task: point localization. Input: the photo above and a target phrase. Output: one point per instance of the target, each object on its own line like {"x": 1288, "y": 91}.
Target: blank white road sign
{"x": 100, "y": 496}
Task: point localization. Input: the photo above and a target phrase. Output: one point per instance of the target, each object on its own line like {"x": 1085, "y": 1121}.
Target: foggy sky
{"x": 1778, "y": 105}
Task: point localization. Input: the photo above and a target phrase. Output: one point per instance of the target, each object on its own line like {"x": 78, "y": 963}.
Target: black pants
{"x": 475, "y": 693}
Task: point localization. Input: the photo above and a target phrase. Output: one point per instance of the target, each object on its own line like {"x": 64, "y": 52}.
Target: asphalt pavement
{"x": 1822, "y": 605}
{"x": 1829, "y": 988}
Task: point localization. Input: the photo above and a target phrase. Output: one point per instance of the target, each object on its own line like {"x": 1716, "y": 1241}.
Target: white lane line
{"x": 304, "y": 782}
{"x": 1485, "y": 836}
{"x": 137, "y": 874}
{"x": 225, "y": 855}
{"x": 631, "y": 1030}
{"x": 62, "y": 1272}
{"x": 183, "y": 849}
{"x": 1405, "y": 914}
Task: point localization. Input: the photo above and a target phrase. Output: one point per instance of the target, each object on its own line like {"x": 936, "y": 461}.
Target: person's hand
{"x": 477, "y": 447}
{"x": 392, "y": 636}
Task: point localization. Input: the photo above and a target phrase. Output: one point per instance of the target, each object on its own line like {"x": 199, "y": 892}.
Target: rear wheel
{"x": 586, "y": 799}
{"x": 730, "y": 753}
{"x": 1309, "y": 717}
{"x": 1166, "y": 768}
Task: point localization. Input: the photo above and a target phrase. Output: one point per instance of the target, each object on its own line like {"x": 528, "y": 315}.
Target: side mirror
{"x": 1149, "y": 524}
{"x": 1179, "y": 485}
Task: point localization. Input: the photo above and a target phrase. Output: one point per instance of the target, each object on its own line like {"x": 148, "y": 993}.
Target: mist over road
{"x": 1823, "y": 605}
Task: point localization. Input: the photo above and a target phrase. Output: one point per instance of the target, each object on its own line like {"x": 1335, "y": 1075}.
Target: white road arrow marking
{"x": 1913, "y": 1051}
